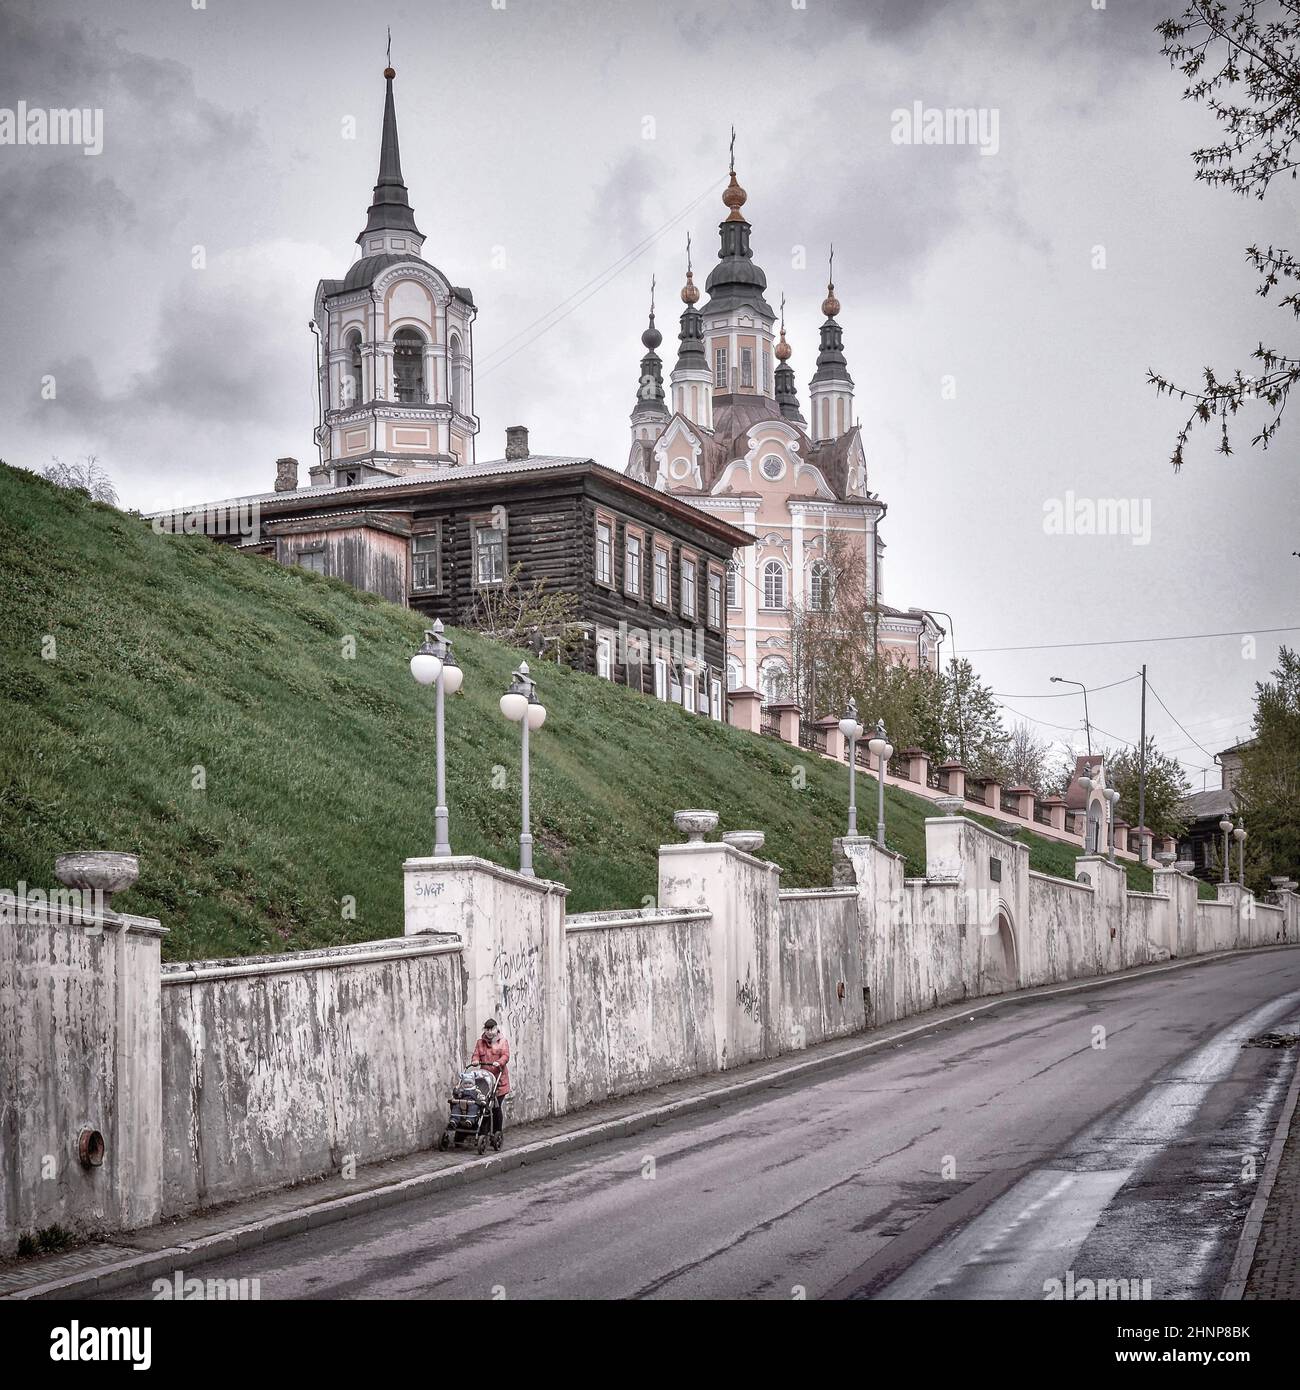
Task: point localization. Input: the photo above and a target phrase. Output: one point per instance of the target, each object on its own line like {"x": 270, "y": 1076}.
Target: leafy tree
{"x": 1031, "y": 761}
{"x": 1166, "y": 788}
{"x": 1269, "y": 788}
{"x": 1243, "y": 63}
{"x": 86, "y": 476}
{"x": 972, "y": 722}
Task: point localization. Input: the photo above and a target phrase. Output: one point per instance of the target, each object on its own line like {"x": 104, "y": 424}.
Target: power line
{"x": 1065, "y": 694}
{"x": 1170, "y": 713}
{"x": 1130, "y": 641}
{"x": 593, "y": 286}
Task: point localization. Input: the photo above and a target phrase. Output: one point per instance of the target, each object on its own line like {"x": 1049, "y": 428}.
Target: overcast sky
{"x": 524, "y": 132}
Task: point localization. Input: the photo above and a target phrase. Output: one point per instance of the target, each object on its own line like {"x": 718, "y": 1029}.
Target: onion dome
{"x": 783, "y": 349}
{"x": 734, "y": 197}
{"x": 652, "y": 337}
{"x": 830, "y": 305}
{"x": 690, "y": 290}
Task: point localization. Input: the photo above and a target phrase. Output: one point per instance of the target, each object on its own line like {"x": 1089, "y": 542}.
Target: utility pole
{"x": 1142, "y": 776}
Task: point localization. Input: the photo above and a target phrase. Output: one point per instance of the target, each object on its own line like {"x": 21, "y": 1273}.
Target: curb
{"x": 104, "y": 1278}
{"x": 1235, "y": 1289}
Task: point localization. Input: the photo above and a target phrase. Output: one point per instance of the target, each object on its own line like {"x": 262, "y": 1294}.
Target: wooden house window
{"x": 604, "y": 656}
{"x": 661, "y": 680}
{"x": 715, "y": 699}
{"x": 426, "y": 569}
{"x": 604, "y": 552}
{"x": 312, "y": 559}
{"x": 661, "y": 575}
{"x": 688, "y": 698}
{"x": 489, "y": 555}
{"x": 688, "y": 587}
{"x": 632, "y": 564}
{"x": 715, "y": 599}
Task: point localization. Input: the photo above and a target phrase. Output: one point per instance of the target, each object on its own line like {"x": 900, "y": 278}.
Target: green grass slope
{"x": 254, "y": 734}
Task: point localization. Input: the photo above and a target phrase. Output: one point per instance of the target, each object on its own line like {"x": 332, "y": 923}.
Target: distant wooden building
{"x": 648, "y": 571}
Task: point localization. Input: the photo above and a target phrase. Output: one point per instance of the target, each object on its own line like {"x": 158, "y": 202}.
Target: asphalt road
{"x": 1111, "y": 1134}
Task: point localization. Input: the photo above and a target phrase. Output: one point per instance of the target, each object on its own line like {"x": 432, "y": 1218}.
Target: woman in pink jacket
{"x": 493, "y": 1051}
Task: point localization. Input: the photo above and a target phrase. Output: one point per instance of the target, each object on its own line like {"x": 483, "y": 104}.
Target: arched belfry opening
{"x": 408, "y": 367}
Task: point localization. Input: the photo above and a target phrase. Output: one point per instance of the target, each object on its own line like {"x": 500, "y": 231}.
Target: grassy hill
{"x": 206, "y": 710}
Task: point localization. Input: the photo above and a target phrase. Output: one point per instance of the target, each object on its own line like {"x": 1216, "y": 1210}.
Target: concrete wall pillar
{"x": 741, "y": 892}
{"x": 1111, "y": 942}
{"x": 956, "y": 778}
{"x": 1179, "y": 919}
{"x": 745, "y": 709}
{"x": 788, "y": 716}
{"x": 80, "y": 1053}
{"x": 512, "y": 930}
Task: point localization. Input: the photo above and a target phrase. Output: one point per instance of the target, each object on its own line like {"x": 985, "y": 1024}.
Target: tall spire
{"x": 691, "y": 380}
{"x": 831, "y": 362}
{"x": 787, "y": 395}
{"x": 390, "y": 208}
{"x": 649, "y": 410}
{"x": 831, "y": 388}
{"x": 690, "y": 354}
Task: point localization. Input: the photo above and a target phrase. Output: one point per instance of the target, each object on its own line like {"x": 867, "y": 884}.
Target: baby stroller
{"x": 473, "y": 1100}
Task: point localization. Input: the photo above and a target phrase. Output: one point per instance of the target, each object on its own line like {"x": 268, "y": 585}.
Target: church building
{"x": 729, "y": 435}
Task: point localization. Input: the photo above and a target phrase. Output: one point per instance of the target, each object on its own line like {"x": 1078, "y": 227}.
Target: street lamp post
{"x": 521, "y": 706}
{"x": 852, "y": 731}
{"x": 882, "y": 750}
{"x": 1087, "y": 726}
{"x": 1239, "y": 834}
{"x": 1226, "y": 826}
{"x": 434, "y": 665}
{"x": 1112, "y": 795}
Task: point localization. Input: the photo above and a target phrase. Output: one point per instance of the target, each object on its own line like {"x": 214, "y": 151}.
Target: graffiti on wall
{"x": 519, "y": 985}
{"x": 747, "y": 994}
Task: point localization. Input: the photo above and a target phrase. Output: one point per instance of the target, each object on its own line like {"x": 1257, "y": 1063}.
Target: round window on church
{"x": 773, "y": 467}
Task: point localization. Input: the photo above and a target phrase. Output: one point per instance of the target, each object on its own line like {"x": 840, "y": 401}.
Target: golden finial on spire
{"x": 690, "y": 291}
{"x": 733, "y": 196}
{"x": 783, "y": 349}
{"x": 830, "y": 305}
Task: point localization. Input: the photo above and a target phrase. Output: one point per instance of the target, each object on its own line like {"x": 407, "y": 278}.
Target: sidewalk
{"x": 1275, "y": 1269}
{"x": 188, "y": 1241}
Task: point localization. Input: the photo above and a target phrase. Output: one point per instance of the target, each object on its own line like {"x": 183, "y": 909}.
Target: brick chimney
{"x": 516, "y": 442}
{"x": 286, "y": 475}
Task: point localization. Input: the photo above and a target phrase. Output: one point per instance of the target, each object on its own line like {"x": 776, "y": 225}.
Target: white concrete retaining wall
{"x": 819, "y": 967}
{"x": 215, "y": 1080}
{"x": 640, "y": 1000}
{"x": 277, "y": 1069}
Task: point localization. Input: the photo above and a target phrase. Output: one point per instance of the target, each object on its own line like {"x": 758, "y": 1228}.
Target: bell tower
{"x": 394, "y": 346}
